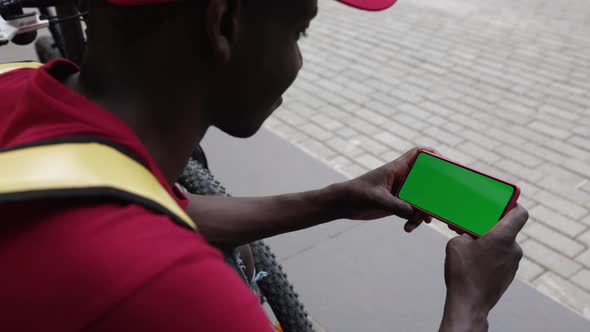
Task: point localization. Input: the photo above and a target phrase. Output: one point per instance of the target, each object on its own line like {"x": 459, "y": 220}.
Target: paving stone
{"x": 553, "y": 239}
{"x": 443, "y": 136}
{"x": 344, "y": 147}
{"x": 568, "y": 188}
{"x": 407, "y": 96}
{"x": 393, "y": 141}
{"x": 370, "y": 116}
{"x": 521, "y": 237}
{"x": 478, "y": 152}
{"x": 317, "y": 149}
{"x": 347, "y": 132}
{"x": 584, "y": 258}
{"x": 436, "y": 120}
{"x": 519, "y": 170}
{"x": 452, "y": 128}
{"x": 528, "y": 270}
{"x": 566, "y": 207}
{"x": 577, "y": 166}
{"x": 526, "y": 202}
{"x": 518, "y": 155}
{"x": 582, "y": 279}
{"x": 411, "y": 121}
{"x": 458, "y": 106}
{"x": 291, "y": 118}
{"x": 369, "y": 145}
{"x": 353, "y": 171}
{"x": 585, "y": 238}
{"x": 382, "y": 106}
{"x": 565, "y": 126}
{"x": 436, "y": 108}
{"x": 454, "y": 154}
{"x": 339, "y": 162}
{"x": 581, "y": 142}
{"x": 542, "y": 152}
{"x": 469, "y": 122}
{"x": 480, "y": 139}
{"x": 550, "y": 130}
{"x": 414, "y": 110}
{"x": 516, "y": 107}
{"x": 557, "y": 221}
{"x": 425, "y": 141}
{"x": 504, "y": 136}
{"x": 363, "y": 126}
{"x": 326, "y": 122}
{"x": 369, "y": 161}
{"x": 316, "y": 132}
{"x": 566, "y": 148}
{"x": 550, "y": 259}
{"x": 582, "y": 131}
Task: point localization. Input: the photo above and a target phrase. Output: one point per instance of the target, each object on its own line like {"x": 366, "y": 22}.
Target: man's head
{"x": 248, "y": 49}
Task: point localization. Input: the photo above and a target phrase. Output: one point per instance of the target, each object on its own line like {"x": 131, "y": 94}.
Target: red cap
{"x": 362, "y": 4}
{"x": 370, "y": 4}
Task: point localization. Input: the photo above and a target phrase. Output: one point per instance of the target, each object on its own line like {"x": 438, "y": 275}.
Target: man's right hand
{"x": 478, "y": 272}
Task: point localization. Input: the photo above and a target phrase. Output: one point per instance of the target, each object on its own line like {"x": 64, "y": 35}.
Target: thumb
{"x": 397, "y": 206}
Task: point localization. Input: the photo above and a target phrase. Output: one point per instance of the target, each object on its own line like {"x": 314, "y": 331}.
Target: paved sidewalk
{"x": 503, "y": 86}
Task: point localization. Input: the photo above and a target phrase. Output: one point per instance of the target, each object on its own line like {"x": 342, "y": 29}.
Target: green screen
{"x": 458, "y": 195}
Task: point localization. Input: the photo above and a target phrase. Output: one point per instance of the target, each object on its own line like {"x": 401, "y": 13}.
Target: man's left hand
{"x": 370, "y": 196}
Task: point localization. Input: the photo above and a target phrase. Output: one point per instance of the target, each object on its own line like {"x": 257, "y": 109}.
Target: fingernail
{"x": 409, "y": 228}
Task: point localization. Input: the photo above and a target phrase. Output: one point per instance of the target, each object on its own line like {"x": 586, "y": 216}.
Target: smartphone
{"x": 456, "y": 194}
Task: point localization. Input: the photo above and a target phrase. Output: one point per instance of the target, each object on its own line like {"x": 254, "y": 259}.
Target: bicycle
{"x": 65, "y": 20}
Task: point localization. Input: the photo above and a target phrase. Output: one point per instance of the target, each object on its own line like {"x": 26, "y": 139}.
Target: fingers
{"x": 401, "y": 208}
{"x": 406, "y": 211}
{"x": 409, "y": 156}
{"x": 416, "y": 220}
{"x": 465, "y": 238}
{"x": 511, "y": 224}
{"x": 457, "y": 230}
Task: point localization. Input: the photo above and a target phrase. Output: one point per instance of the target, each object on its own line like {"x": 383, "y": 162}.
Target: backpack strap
{"x": 6, "y": 67}
{"x": 83, "y": 170}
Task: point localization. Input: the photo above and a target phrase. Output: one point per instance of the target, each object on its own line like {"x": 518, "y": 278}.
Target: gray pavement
{"x": 503, "y": 86}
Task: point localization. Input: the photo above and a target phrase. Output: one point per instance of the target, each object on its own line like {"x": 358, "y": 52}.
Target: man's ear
{"x": 222, "y": 24}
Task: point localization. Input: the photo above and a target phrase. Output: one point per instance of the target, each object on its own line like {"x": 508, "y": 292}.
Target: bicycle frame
{"x": 65, "y": 25}
{"x": 26, "y": 23}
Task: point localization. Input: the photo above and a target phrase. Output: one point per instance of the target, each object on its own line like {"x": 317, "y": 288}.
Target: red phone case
{"x": 511, "y": 204}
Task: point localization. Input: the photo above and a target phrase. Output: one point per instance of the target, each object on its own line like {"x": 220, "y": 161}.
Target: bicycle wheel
{"x": 275, "y": 288}
{"x": 279, "y": 292}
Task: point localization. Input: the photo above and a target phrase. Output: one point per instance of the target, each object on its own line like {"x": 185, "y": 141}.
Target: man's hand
{"x": 478, "y": 272}
{"x": 370, "y": 196}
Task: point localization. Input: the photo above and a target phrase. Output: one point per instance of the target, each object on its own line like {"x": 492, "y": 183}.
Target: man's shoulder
{"x": 12, "y": 84}
{"x": 89, "y": 257}
{"x": 104, "y": 227}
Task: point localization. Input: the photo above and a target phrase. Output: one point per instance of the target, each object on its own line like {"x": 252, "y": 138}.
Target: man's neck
{"x": 168, "y": 121}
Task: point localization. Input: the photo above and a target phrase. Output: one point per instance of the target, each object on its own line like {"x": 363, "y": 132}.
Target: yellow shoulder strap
{"x": 6, "y": 67}
{"x": 83, "y": 169}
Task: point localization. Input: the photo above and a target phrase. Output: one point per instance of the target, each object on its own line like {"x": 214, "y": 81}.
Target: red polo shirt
{"x": 100, "y": 265}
